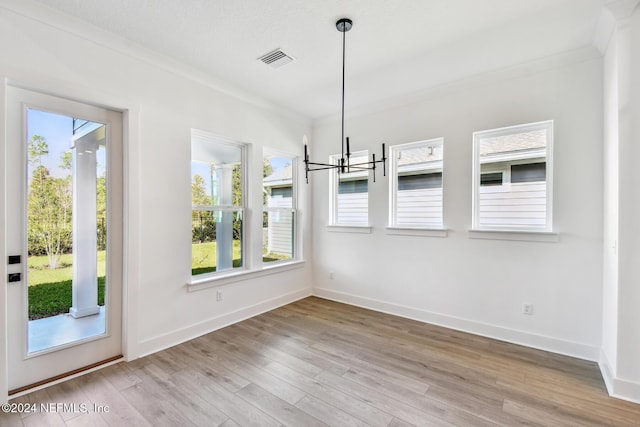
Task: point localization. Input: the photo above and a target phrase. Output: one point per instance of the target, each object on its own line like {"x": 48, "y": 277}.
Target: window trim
{"x": 393, "y": 185}
{"x": 547, "y": 125}
{"x": 333, "y": 192}
{"x": 200, "y": 283}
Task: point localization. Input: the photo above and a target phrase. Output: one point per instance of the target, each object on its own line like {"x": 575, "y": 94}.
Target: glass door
{"x": 64, "y": 226}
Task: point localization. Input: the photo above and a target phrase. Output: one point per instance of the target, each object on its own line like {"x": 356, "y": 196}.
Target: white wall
{"x": 621, "y": 293}
{"x": 162, "y": 107}
{"x": 475, "y": 284}
{"x": 611, "y": 199}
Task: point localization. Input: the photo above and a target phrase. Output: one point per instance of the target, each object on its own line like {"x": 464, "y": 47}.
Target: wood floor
{"x": 316, "y": 362}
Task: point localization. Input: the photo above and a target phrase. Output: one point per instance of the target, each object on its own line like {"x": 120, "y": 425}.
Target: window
{"x": 512, "y": 178}
{"x": 491, "y": 178}
{"x": 350, "y": 193}
{"x": 279, "y": 208}
{"x": 529, "y": 172}
{"x": 416, "y": 184}
{"x": 218, "y": 204}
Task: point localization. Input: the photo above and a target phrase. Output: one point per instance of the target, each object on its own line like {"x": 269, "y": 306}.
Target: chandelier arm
{"x": 369, "y": 163}
{"x": 384, "y": 161}
{"x": 324, "y": 164}
{"x": 373, "y": 158}
{"x": 323, "y": 168}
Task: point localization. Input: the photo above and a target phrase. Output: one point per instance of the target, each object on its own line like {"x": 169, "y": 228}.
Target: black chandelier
{"x": 344, "y": 164}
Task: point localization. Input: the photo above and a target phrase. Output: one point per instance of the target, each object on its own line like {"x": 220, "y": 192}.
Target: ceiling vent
{"x": 276, "y": 58}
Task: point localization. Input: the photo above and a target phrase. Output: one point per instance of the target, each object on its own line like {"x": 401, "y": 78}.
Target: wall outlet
{"x": 218, "y": 295}
{"x": 527, "y": 309}
{"x": 331, "y": 275}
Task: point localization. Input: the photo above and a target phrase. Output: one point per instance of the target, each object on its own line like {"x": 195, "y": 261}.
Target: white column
{"x": 628, "y": 48}
{"x": 224, "y": 226}
{"x": 85, "y": 263}
{"x": 620, "y": 26}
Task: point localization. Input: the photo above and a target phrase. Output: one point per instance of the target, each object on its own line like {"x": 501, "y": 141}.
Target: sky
{"x": 202, "y": 169}
{"x": 58, "y": 131}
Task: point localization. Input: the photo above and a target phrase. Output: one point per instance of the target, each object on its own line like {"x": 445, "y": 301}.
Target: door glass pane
{"x": 66, "y": 229}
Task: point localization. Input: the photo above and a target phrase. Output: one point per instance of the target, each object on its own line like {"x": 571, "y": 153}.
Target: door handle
{"x": 14, "y": 277}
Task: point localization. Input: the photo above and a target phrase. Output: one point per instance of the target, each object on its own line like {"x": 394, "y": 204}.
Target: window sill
{"x": 198, "y": 284}
{"x": 416, "y": 231}
{"x": 527, "y": 236}
{"x": 362, "y": 229}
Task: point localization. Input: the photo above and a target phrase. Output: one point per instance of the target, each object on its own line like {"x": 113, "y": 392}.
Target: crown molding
{"x": 59, "y": 21}
{"x": 574, "y": 56}
{"x": 621, "y": 9}
{"x": 612, "y": 13}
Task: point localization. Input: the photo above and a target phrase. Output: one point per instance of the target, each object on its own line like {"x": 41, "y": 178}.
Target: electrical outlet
{"x": 331, "y": 275}
{"x": 527, "y": 309}
{"x": 218, "y": 295}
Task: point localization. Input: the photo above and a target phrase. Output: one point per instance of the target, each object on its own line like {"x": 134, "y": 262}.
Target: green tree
{"x": 49, "y": 207}
{"x": 203, "y": 226}
{"x": 38, "y": 147}
{"x": 199, "y": 191}
{"x": 267, "y": 170}
{"x": 49, "y": 215}
{"x": 66, "y": 160}
{"x": 101, "y": 211}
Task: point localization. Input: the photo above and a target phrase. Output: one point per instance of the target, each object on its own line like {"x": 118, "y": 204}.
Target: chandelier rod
{"x": 344, "y": 163}
{"x": 344, "y": 37}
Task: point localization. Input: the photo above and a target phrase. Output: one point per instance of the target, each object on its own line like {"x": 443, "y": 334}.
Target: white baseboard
{"x": 176, "y": 337}
{"x": 514, "y": 336}
{"x": 618, "y": 388}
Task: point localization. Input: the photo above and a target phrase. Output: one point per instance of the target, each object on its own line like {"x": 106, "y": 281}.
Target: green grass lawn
{"x": 50, "y": 290}
{"x": 39, "y": 273}
{"x": 51, "y": 299}
{"x": 203, "y": 257}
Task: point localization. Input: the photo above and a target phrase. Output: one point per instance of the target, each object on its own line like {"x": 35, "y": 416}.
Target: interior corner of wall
{"x": 606, "y": 370}
{"x": 604, "y": 30}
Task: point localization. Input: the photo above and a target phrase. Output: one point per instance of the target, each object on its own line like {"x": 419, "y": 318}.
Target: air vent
{"x": 276, "y": 58}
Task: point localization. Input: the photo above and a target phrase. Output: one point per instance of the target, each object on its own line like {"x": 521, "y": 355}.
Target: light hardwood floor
{"x": 317, "y": 362}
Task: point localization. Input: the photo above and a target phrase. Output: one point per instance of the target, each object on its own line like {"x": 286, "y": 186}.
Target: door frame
{"x": 130, "y": 110}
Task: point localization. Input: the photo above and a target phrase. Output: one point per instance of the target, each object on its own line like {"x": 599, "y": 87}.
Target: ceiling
{"x": 395, "y": 48}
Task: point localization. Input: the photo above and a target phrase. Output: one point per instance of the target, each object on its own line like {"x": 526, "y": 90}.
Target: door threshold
{"x": 65, "y": 376}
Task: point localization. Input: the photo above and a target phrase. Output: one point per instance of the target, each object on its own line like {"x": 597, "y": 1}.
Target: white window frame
{"x": 393, "y": 181}
{"x": 548, "y": 155}
{"x": 295, "y": 256}
{"x": 334, "y": 180}
{"x": 246, "y": 229}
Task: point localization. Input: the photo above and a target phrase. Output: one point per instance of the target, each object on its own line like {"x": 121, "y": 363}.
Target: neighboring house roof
{"x": 279, "y": 177}
{"x": 513, "y": 142}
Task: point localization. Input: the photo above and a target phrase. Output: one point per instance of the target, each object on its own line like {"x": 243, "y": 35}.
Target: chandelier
{"x": 344, "y": 164}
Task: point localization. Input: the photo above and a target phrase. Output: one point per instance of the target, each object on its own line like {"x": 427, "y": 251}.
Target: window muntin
{"x": 512, "y": 178}
{"x": 279, "y": 208}
{"x": 416, "y": 196}
{"x": 350, "y": 193}
{"x": 218, "y": 205}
